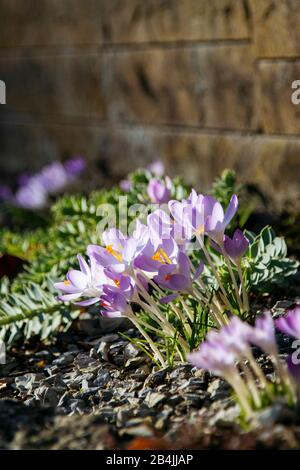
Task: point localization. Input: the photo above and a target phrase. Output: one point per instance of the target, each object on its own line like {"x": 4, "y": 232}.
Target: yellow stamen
{"x": 117, "y": 282}
{"x": 116, "y": 254}
{"x": 67, "y": 283}
{"x": 200, "y": 230}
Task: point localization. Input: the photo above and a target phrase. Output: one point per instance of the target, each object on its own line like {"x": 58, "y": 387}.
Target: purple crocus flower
{"x": 158, "y": 191}
{"x": 189, "y": 214}
{"x": 119, "y": 283}
{"x": 290, "y": 324}
{"x": 153, "y": 256}
{"x": 74, "y": 166}
{"x": 86, "y": 282}
{"x": 157, "y": 168}
{"x": 215, "y": 221}
{"x": 234, "y": 336}
{"x": 263, "y": 334}
{"x": 126, "y": 186}
{"x": 114, "y": 304}
{"x": 176, "y": 277}
{"x": 236, "y": 246}
{"x": 53, "y": 177}
{"x": 119, "y": 252}
{"x": 32, "y": 195}
{"x": 215, "y": 358}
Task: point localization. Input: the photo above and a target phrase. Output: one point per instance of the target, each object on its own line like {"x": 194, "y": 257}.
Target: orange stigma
{"x": 161, "y": 256}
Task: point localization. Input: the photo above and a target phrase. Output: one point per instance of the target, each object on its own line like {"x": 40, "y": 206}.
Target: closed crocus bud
{"x": 158, "y": 191}
{"x": 236, "y": 246}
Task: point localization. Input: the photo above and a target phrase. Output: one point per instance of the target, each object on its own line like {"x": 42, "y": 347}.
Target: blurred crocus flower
{"x": 235, "y": 336}
{"x": 290, "y": 324}
{"x": 236, "y": 246}
{"x": 294, "y": 369}
{"x": 126, "y": 185}
{"x": 158, "y": 191}
{"x": 31, "y": 196}
{"x": 215, "y": 358}
{"x": 53, "y": 177}
{"x": 157, "y": 168}
{"x": 263, "y": 334}
{"x": 5, "y": 193}
{"x": 74, "y": 166}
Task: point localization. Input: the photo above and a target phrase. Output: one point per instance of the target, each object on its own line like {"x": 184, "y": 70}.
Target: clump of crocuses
{"x": 228, "y": 354}
{"x": 129, "y": 275}
{"x": 34, "y": 190}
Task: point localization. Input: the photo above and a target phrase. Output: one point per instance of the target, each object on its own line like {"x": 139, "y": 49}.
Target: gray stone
{"x": 153, "y": 399}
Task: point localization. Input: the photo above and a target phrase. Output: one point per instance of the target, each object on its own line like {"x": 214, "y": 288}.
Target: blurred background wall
{"x": 201, "y": 84}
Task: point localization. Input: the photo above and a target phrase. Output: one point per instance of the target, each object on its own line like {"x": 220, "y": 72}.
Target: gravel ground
{"x": 92, "y": 390}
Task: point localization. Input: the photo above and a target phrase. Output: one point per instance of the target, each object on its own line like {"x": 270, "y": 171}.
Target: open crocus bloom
{"x": 237, "y": 246}
{"x": 153, "y": 256}
{"x": 86, "y": 282}
{"x": 290, "y": 324}
{"x": 120, "y": 251}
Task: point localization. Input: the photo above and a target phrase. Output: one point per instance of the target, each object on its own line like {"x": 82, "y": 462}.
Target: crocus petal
{"x": 231, "y": 209}
{"x": 69, "y": 297}
{"x": 168, "y": 298}
{"x": 68, "y": 288}
{"x": 77, "y": 278}
{"x": 84, "y": 267}
{"x": 113, "y": 237}
{"x": 86, "y": 303}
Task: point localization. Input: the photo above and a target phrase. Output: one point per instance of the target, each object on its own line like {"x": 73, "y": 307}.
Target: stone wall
{"x": 201, "y": 84}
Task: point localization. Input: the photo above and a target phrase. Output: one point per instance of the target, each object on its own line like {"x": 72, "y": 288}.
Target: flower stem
{"x": 228, "y": 263}
{"x": 215, "y": 272}
{"x": 154, "y": 348}
{"x": 244, "y": 290}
